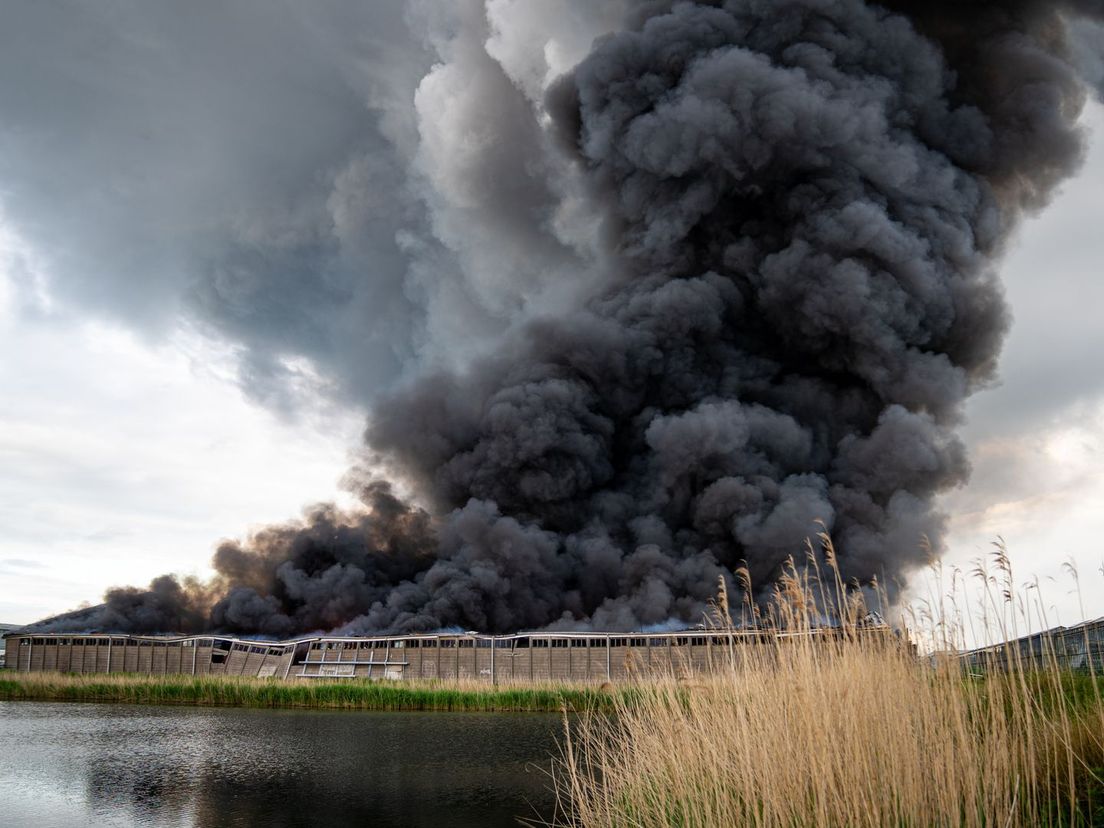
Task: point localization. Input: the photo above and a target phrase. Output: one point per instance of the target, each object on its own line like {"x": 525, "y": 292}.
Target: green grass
{"x": 330, "y": 695}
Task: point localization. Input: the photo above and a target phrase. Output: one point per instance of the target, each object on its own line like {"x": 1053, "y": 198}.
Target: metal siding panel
{"x": 700, "y": 658}
{"x": 469, "y": 663}
{"x": 596, "y": 661}
{"x": 446, "y": 668}
{"x": 504, "y": 664}
{"x": 541, "y": 663}
{"x": 429, "y": 663}
{"x": 619, "y": 661}
{"x": 483, "y": 662}
{"x": 235, "y": 662}
{"x": 285, "y": 663}
{"x": 680, "y": 659}
{"x": 558, "y": 664}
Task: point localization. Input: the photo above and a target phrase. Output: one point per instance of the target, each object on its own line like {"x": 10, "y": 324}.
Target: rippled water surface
{"x": 113, "y": 765}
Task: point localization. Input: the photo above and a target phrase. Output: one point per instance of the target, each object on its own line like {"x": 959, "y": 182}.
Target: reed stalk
{"x": 848, "y": 729}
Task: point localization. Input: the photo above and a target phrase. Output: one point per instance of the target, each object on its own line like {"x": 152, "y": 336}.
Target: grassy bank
{"x": 331, "y": 695}
{"x": 852, "y": 733}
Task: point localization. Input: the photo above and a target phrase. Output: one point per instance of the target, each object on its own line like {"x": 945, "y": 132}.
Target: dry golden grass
{"x": 855, "y": 731}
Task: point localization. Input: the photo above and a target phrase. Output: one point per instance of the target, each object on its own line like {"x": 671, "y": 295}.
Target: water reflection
{"x": 81, "y": 765}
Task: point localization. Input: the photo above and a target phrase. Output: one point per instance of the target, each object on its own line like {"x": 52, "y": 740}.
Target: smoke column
{"x": 763, "y": 234}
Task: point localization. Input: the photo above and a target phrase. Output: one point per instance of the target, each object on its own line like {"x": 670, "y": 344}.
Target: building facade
{"x": 523, "y": 657}
{"x": 1080, "y": 647}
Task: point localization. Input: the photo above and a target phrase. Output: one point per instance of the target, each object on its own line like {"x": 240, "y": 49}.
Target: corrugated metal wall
{"x": 526, "y": 657}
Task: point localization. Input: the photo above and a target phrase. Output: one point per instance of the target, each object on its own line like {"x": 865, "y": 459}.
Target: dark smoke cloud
{"x": 805, "y": 201}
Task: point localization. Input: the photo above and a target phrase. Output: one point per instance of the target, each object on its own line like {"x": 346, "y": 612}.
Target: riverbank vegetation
{"x": 322, "y": 694}
{"x": 856, "y": 732}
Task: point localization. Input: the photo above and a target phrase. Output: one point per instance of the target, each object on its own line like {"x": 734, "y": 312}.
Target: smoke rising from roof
{"x": 734, "y": 268}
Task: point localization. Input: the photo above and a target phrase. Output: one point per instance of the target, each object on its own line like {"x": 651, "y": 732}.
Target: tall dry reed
{"x": 848, "y": 729}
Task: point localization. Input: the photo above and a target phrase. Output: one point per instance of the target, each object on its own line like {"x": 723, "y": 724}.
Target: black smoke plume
{"x": 802, "y": 204}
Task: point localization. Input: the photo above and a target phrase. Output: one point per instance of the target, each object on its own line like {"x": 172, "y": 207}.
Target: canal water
{"x": 87, "y": 765}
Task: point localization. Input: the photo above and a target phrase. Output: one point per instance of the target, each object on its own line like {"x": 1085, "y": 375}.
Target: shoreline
{"x": 233, "y": 691}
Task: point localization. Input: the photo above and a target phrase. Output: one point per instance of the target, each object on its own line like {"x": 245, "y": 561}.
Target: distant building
{"x": 1080, "y": 647}
{"x": 541, "y": 656}
{"x": 4, "y": 630}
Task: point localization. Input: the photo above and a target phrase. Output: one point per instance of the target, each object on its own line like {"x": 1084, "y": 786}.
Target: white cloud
{"x": 120, "y": 461}
{"x": 1037, "y": 440}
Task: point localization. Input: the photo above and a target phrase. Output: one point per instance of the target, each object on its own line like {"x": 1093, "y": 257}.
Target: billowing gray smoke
{"x": 780, "y": 221}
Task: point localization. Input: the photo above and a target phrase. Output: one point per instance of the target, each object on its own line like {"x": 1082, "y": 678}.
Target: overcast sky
{"x": 131, "y": 441}
{"x": 1037, "y": 439}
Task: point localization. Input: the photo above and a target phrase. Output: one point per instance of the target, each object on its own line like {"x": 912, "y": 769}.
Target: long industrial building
{"x": 1080, "y": 647}
{"x": 521, "y": 657}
